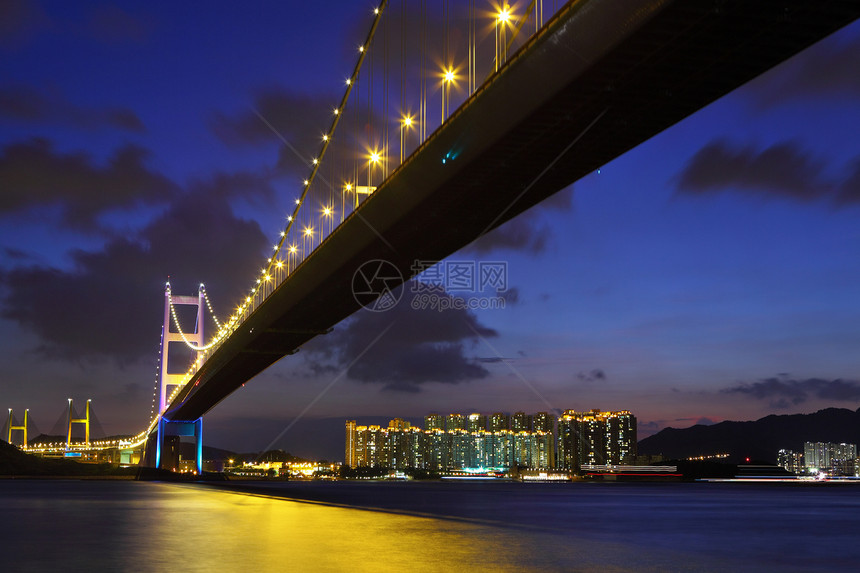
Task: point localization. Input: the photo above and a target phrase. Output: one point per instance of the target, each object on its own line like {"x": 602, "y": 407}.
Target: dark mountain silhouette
{"x": 758, "y": 440}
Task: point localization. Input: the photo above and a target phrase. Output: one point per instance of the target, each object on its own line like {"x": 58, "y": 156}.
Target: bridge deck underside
{"x": 606, "y": 75}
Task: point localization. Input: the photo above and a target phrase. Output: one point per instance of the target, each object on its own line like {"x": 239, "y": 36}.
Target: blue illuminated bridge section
{"x": 598, "y": 79}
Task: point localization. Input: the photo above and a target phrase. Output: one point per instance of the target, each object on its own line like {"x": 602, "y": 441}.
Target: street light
{"x": 347, "y": 188}
{"x": 405, "y": 124}
{"x": 448, "y": 77}
{"x": 327, "y": 216}
{"x": 374, "y": 159}
{"x": 502, "y": 19}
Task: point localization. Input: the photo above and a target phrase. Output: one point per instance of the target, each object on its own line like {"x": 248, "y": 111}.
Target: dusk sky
{"x": 712, "y": 273}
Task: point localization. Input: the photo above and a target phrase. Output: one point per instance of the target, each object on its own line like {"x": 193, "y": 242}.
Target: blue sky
{"x": 712, "y": 273}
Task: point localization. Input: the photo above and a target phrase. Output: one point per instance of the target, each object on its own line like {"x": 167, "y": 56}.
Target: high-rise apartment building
{"x": 499, "y": 421}
{"x": 521, "y": 422}
{"x": 620, "y": 441}
{"x": 399, "y": 424}
{"x": 543, "y": 450}
{"x": 595, "y": 437}
{"x": 349, "y": 454}
{"x": 790, "y": 460}
{"x": 544, "y": 422}
{"x": 455, "y": 422}
{"x": 476, "y": 423}
{"x": 434, "y": 422}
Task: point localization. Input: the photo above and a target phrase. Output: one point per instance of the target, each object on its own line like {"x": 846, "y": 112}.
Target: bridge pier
{"x": 163, "y": 449}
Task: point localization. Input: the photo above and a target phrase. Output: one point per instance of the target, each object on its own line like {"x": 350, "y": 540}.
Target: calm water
{"x": 146, "y": 526}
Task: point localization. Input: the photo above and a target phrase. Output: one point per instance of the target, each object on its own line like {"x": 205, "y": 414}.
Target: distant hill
{"x": 758, "y": 440}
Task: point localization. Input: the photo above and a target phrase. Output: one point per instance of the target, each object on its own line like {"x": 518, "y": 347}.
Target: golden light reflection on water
{"x": 195, "y": 528}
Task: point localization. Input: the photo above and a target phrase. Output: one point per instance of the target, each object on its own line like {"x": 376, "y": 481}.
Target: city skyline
{"x": 566, "y": 442}
{"x": 708, "y": 274}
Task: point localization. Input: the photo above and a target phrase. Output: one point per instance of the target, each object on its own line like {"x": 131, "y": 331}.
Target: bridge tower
{"x": 169, "y": 381}
{"x": 164, "y": 452}
{"x": 85, "y": 421}
{"x": 22, "y": 428}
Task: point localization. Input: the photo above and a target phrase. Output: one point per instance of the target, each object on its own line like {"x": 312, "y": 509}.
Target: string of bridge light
{"x": 219, "y": 335}
{"x": 274, "y": 266}
{"x": 214, "y": 316}
{"x": 503, "y": 18}
{"x": 157, "y": 378}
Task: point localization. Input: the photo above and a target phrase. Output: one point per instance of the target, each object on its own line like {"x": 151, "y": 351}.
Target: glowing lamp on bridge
{"x": 374, "y": 157}
{"x": 449, "y": 77}
{"x": 502, "y": 19}
{"x": 405, "y": 123}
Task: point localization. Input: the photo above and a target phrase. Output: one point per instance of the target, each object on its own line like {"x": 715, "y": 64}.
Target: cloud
{"x": 781, "y": 170}
{"x": 849, "y": 190}
{"x": 523, "y": 233}
{"x": 826, "y": 70}
{"x": 596, "y": 375}
{"x": 293, "y": 121}
{"x": 19, "y": 20}
{"x": 783, "y": 391}
{"x": 15, "y": 255}
{"x": 527, "y": 232}
{"x": 253, "y": 187}
{"x": 35, "y": 175}
{"x": 98, "y": 309}
{"x": 25, "y": 104}
{"x": 647, "y": 428}
{"x": 697, "y": 421}
{"x": 421, "y": 346}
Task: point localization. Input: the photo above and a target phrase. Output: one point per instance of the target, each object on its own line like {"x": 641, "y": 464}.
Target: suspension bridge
{"x": 455, "y": 118}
